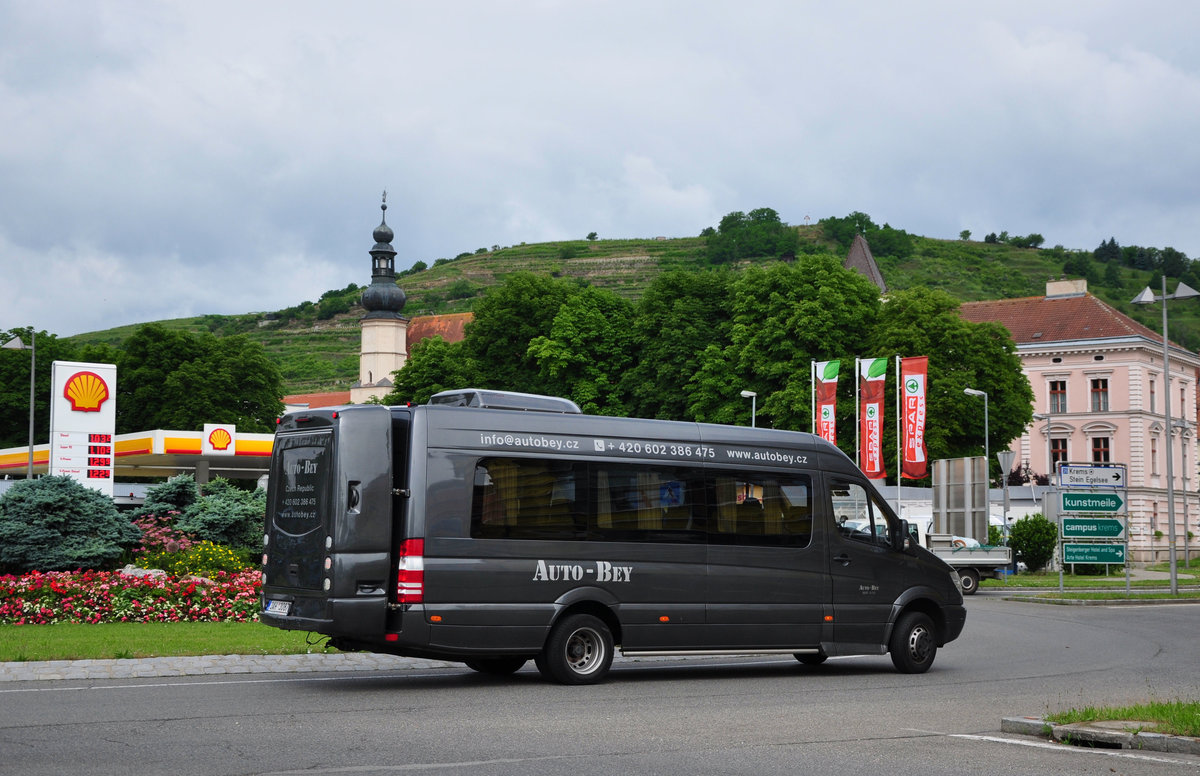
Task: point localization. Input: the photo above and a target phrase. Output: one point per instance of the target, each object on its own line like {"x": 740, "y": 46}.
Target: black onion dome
{"x": 383, "y": 297}
{"x": 383, "y": 235}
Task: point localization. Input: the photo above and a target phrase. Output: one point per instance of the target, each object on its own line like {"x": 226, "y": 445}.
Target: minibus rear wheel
{"x": 579, "y": 651}
{"x": 914, "y": 643}
{"x": 496, "y": 666}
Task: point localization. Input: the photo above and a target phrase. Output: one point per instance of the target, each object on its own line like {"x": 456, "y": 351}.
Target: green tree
{"x": 680, "y": 315}
{"x": 708, "y": 390}
{"x": 14, "y": 384}
{"x": 231, "y": 380}
{"x": 589, "y": 347}
{"x": 964, "y": 235}
{"x": 57, "y": 524}
{"x": 758, "y": 234}
{"x": 843, "y": 230}
{"x": 433, "y": 366}
{"x": 507, "y": 319}
{"x": 1107, "y": 251}
{"x": 962, "y": 354}
{"x": 151, "y": 355}
{"x": 1033, "y": 539}
{"x": 783, "y": 316}
{"x": 1112, "y": 275}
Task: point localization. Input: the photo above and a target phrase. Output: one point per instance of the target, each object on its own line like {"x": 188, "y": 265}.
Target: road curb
{"x": 1033, "y": 599}
{"x": 201, "y": 665}
{"x": 1109, "y": 735}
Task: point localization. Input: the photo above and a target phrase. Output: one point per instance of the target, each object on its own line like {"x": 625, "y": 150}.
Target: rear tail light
{"x": 410, "y": 572}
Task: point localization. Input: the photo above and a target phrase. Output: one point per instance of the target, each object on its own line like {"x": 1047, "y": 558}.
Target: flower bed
{"x": 110, "y": 596}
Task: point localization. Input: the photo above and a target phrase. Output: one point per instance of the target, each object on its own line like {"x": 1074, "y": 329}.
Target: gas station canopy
{"x": 161, "y": 453}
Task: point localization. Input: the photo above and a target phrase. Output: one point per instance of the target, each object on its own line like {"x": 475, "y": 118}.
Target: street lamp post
{"x": 1182, "y": 291}
{"x": 16, "y": 344}
{"x": 753, "y": 397}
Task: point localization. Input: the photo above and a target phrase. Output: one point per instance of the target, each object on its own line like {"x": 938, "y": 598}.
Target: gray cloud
{"x": 175, "y": 159}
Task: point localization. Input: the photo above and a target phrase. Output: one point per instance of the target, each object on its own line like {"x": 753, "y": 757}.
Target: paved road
{"x": 736, "y": 716}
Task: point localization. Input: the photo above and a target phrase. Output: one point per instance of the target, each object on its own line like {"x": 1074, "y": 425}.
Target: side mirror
{"x": 900, "y": 536}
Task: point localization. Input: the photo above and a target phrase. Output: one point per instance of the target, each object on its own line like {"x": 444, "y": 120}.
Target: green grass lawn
{"x": 1049, "y": 579}
{"x": 75, "y": 641}
{"x": 1179, "y": 718}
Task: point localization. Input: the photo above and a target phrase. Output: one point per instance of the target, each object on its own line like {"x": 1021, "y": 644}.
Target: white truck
{"x": 973, "y": 561}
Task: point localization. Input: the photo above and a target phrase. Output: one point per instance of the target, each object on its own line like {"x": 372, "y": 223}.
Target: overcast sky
{"x": 170, "y": 159}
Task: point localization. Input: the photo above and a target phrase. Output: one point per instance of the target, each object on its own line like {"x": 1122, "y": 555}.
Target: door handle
{"x": 843, "y": 559}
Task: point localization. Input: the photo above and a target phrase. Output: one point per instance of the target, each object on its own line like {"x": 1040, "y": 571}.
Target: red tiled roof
{"x": 451, "y": 327}
{"x": 1037, "y": 319}
{"x": 315, "y": 400}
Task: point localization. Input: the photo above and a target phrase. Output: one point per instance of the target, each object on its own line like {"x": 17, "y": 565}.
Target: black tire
{"x": 811, "y": 658}
{"x": 497, "y": 666}
{"x": 579, "y": 651}
{"x": 968, "y": 580}
{"x": 914, "y": 643}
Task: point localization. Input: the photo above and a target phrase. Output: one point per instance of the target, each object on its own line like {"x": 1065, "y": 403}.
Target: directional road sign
{"x": 1107, "y": 503}
{"x": 1093, "y": 553}
{"x": 1098, "y": 476}
{"x": 1092, "y": 528}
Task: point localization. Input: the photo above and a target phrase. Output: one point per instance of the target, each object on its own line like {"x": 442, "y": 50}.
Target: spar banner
{"x": 871, "y": 372}
{"x": 825, "y": 375}
{"x": 914, "y": 464}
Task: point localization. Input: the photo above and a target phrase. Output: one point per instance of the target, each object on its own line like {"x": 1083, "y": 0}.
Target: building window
{"x": 1154, "y": 516}
{"x": 1100, "y": 394}
{"x": 1153, "y": 403}
{"x": 1154, "y": 455}
{"x": 1058, "y": 452}
{"x": 1058, "y": 396}
{"x": 1100, "y": 451}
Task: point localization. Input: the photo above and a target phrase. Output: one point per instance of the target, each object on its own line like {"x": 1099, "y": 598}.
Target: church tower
{"x": 384, "y": 330}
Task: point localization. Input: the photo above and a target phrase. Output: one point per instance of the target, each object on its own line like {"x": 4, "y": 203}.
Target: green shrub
{"x": 175, "y": 495}
{"x": 1033, "y": 539}
{"x": 226, "y": 515}
{"x": 57, "y": 524}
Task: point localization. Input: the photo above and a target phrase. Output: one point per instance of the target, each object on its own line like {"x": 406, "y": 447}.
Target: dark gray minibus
{"x": 491, "y": 528}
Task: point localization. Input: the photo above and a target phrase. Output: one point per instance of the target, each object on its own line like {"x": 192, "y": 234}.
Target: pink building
{"x": 1097, "y": 378}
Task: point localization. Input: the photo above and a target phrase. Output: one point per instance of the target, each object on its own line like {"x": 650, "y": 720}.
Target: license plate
{"x": 278, "y": 607}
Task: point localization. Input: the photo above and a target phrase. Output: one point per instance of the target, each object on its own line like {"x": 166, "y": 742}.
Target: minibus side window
{"x": 517, "y": 498}
{"x": 646, "y": 503}
{"x": 755, "y": 509}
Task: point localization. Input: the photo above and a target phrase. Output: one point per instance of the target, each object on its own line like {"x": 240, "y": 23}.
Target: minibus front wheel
{"x": 914, "y": 643}
{"x": 579, "y": 651}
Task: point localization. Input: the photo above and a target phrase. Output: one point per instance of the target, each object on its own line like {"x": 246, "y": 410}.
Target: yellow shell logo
{"x": 219, "y": 439}
{"x": 86, "y": 391}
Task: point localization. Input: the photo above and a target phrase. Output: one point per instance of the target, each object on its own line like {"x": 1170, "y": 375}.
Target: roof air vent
{"x": 504, "y": 400}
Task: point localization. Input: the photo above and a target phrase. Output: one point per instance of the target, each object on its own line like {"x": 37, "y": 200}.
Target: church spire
{"x": 383, "y": 298}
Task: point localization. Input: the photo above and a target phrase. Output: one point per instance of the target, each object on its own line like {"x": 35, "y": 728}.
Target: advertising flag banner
{"x": 914, "y": 464}
{"x": 825, "y": 376}
{"x": 871, "y": 373}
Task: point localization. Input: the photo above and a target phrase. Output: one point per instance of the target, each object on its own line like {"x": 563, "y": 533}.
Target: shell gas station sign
{"x": 83, "y": 420}
{"x": 83, "y": 444}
